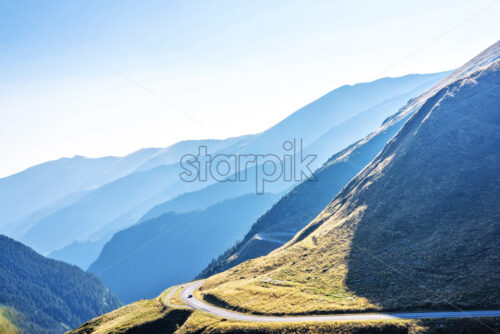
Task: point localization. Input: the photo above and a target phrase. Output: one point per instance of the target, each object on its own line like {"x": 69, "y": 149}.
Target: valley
{"x": 365, "y": 256}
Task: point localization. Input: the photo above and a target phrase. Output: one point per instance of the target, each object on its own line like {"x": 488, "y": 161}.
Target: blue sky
{"x": 108, "y": 77}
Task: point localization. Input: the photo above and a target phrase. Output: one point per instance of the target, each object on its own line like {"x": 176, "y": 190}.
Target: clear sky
{"x": 101, "y": 78}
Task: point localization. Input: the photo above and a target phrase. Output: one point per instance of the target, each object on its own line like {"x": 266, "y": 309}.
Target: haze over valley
{"x": 360, "y": 203}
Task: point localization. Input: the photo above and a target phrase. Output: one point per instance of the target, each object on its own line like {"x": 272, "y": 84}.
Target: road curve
{"x": 200, "y": 305}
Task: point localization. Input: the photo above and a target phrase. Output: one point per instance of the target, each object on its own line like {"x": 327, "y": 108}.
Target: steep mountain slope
{"x": 112, "y": 217}
{"x": 334, "y": 108}
{"x": 138, "y": 262}
{"x": 8, "y": 321}
{"x": 123, "y": 208}
{"x": 283, "y": 221}
{"x": 294, "y": 210}
{"x": 51, "y": 295}
{"x": 417, "y": 228}
{"x": 325, "y": 126}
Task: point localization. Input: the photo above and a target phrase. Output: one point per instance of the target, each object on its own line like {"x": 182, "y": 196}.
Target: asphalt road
{"x": 170, "y": 294}
{"x": 200, "y": 305}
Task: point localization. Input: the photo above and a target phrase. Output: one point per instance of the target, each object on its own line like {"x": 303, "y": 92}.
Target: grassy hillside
{"x": 325, "y": 126}
{"x": 144, "y": 316}
{"x": 153, "y": 316}
{"x": 417, "y": 229}
{"x": 52, "y": 296}
{"x": 281, "y": 222}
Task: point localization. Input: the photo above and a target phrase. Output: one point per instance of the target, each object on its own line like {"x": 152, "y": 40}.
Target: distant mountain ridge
{"x": 336, "y": 107}
{"x": 44, "y": 184}
{"x": 283, "y": 220}
{"x": 220, "y": 193}
{"x": 138, "y": 261}
{"x": 342, "y": 131}
{"x": 102, "y": 205}
{"x": 64, "y": 228}
{"x": 294, "y": 210}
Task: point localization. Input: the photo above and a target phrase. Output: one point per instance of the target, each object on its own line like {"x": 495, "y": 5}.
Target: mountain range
{"x": 91, "y": 199}
{"x": 138, "y": 261}
{"x": 140, "y": 229}
{"x": 123, "y": 277}
{"x": 404, "y": 219}
{"x": 294, "y": 210}
{"x": 415, "y": 229}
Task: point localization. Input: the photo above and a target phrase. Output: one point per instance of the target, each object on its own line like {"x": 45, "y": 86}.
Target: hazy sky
{"x": 108, "y": 77}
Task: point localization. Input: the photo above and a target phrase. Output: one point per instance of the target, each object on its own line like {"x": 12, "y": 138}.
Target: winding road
{"x": 195, "y": 303}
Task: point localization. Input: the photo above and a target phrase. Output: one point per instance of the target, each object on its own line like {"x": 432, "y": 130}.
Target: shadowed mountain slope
{"x": 126, "y": 189}
{"x": 51, "y": 295}
{"x": 325, "y": 127}
{"x": 416, "y": 229}
{"x": 294, "y": 210}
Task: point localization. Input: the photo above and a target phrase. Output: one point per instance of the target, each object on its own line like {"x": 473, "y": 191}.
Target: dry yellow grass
{"x": 6, "y": 325}
{"x": 176, "y": 298}
{"x": 477, "y": 326}
{"x": 416, "y": 229}
{"x": 122, "y": 320}
{"x": 299, "y": 278}
{"x": 152, "y": 316}
{"x": 395, "y": 326}
{"x": 202, "y": 323}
